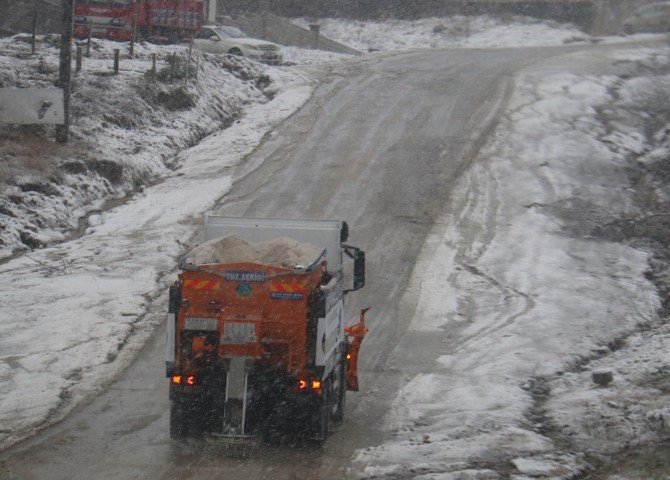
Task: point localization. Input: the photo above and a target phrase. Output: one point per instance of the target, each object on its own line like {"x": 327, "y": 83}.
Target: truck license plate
{"x": 200, "y": 323}
{"x": 237, "y": 333}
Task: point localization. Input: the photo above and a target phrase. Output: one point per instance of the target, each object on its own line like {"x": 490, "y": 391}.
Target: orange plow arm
{"x": 356, "y": 333}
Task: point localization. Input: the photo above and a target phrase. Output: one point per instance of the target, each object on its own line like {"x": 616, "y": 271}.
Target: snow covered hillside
{"x": 556, "y": 250}
{"x": 126, "y": 130}
{"x": 127, "y": 135}
{"x": 458, "y": 31}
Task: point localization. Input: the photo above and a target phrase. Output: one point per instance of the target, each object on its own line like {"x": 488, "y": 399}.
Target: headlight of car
{"x": 251, "y": 47}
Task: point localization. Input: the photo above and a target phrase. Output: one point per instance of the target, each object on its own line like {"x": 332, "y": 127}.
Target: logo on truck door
{"x": 286, "y": 291}
{"x": 244, "y": 290}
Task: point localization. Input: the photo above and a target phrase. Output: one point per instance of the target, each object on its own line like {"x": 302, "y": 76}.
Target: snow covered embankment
{"x": 126, "y": 129}
{"x": 532, "y": 289}
{"x": 74, "y": 314}
{"x": 458, "y": 31}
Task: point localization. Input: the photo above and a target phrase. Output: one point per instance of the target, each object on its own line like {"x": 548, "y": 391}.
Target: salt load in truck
{"x": 256, "y": 341}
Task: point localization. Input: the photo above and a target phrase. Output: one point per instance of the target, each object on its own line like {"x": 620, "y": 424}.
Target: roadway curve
{"x": 380, "y": 144}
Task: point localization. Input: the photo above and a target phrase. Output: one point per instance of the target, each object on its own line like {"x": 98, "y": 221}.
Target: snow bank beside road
{"x": 531, "y": 289}
{"x": 69, "y": 310}
{"x": 126, "y": 130}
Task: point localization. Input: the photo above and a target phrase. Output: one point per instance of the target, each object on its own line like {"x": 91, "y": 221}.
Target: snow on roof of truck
{"x": 285, "y": 252}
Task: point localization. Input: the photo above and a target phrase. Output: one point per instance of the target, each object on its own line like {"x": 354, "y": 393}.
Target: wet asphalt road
{"x": 378, "y": 145}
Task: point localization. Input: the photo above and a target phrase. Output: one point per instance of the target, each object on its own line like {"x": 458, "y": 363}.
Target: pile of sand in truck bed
{"x": 285, "y": 252}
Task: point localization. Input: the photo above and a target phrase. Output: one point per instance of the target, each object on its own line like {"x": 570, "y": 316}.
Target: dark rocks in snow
{"x": 602, "y": 376}
{"x": 28, "y": 240}
{"x": 73, "y": 167}
{"x": 112, "y": 171}
{"x": 176, "y": 99}
{"x": 47, "y": 189}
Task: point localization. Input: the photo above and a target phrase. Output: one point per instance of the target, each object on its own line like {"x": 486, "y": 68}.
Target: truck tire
{"x": 212, "y": 405}
{"x": 178, "y": 421}
{"x": 340, "y": 392}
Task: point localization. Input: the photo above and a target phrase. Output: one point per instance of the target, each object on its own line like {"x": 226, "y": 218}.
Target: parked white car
{"x": 225, "y": 39}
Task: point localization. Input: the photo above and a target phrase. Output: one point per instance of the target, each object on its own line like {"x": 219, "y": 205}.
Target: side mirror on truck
{"x": 358, "y": 257}
{"x": 359, "y": 269}
{"x": 344, "y": 232}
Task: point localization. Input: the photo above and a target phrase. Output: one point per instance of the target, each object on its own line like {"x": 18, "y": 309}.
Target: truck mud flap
{"x": 235, "y": 409}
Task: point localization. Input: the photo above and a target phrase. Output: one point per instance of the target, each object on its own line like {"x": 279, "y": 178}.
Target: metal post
{"x": 211, "y": 11}
{"x": 65, "y": 71}
{"x": 466, "y": 12}
{"x": 133, "y": 28}
{"x": 315, "y": 28}
{"x": 197, "y": 66}
{"x": 78, "y": 61}
{"x": 35, "y": 17}
{"x": 265, "y": 6}
{"x": 116, "y": 60}
{"x": 153, "y": 63}
{"x": 188, "y": 61}
{"x": 88, "y": 40}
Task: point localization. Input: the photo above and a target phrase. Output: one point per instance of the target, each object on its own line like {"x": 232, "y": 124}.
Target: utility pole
{"x": 265, "y": 7}
{"x": 211, "y": 11}
{"x": 65, "y": 71}
{"x": 34, "y": 27}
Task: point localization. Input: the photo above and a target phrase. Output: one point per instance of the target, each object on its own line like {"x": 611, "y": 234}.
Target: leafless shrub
{"x": 44, "y": 67}
{"x": 176, "y": 99}
{"x": 175, "y": 69}
{"x": 61, "y": 267}
{"x": 7, "y": 173}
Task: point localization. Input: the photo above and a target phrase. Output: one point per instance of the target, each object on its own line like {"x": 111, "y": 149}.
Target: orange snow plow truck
{"x": 256, "y": 341}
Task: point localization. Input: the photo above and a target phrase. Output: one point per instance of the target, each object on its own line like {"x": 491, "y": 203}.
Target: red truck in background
{"x": 161, "y": 21}
{"x": 256, "y": 344}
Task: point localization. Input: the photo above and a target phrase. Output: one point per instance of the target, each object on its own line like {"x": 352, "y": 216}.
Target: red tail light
{"x": 181, "y": 380}
{"x": 310, "y": 385}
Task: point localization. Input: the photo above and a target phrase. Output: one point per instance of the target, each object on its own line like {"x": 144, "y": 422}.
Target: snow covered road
{"x": 365, "y": 149}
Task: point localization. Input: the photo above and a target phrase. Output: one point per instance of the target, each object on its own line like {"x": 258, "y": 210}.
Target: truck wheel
{"x": 236, "y": 51}
{"x": 272, "y": 430}
{"x": 213, "y": 406}
{"x": 340, "y": 393}
{"x": 178, "y": 421}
